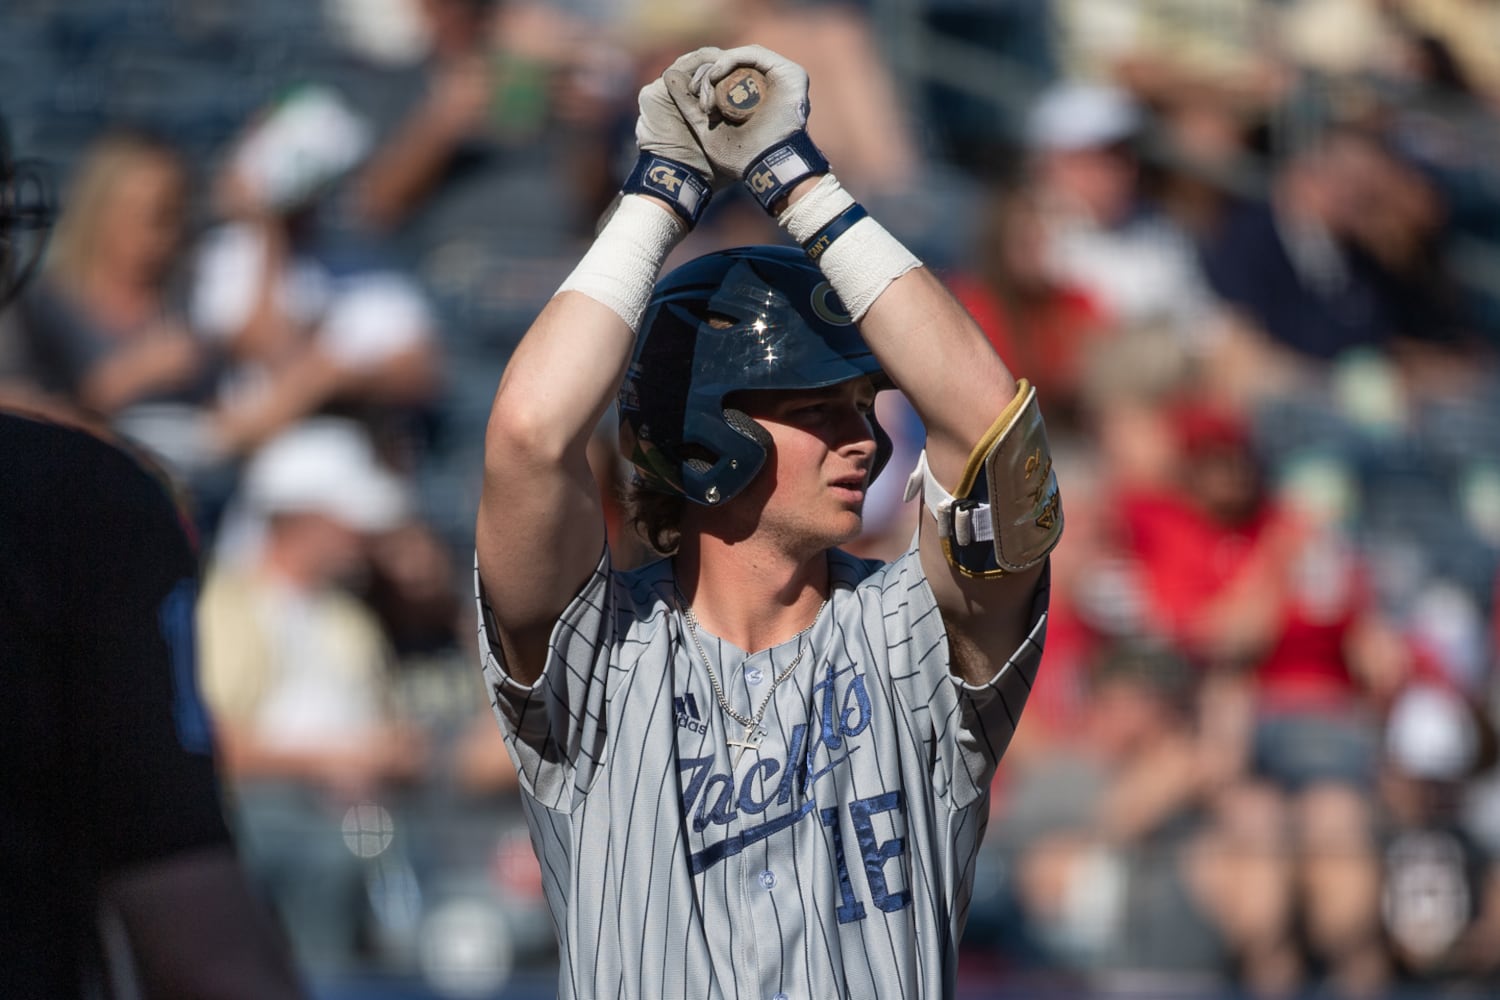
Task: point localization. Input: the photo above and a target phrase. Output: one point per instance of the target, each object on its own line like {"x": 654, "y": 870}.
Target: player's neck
{"x": 750, "y": 595}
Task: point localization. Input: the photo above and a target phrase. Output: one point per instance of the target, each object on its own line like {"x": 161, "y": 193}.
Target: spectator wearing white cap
{"x": 305, "y": 331}
{"x": 1440, "y": 904}
{"x": 1103, "y": 235}
{"x": 297, "y": 673}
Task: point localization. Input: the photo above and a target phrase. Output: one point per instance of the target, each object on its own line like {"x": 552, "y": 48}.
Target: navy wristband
{"x": 677, "y": 184}
{"x": 776, "y": 169}
{"x": 823, "y": 238}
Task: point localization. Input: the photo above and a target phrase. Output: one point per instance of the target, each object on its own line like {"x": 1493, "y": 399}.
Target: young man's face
{"x": 812, "y": 488}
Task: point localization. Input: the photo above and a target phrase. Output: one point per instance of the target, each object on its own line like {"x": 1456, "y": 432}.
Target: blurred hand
{"x": 164, "y": 357}
{"x": 461, "y": 94}
{"x": 414, "y": 561}
{"x": 397, "y": 752}
{"x": 168, "y": 354}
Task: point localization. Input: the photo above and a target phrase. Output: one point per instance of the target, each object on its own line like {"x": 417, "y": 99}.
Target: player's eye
{"x": 810, "y": 411}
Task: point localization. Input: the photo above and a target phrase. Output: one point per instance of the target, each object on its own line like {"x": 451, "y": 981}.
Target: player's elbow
{"x": 524, "y": 437}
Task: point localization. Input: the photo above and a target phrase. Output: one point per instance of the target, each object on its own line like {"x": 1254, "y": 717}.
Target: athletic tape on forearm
{"x": 863, "y": 260}
{"x": 862, "y": 263}
{"x": 620, "y": 269}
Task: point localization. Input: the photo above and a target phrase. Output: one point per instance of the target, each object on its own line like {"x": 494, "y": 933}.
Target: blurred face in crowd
{"x": 123, "y": 216}
{"x": 1015, "y": 250}
{"x": 1362, "y": 193}
{"x": 1126, "y": 713}
{"x": 140, "y": 227}
{"x": 321, "y": 549}
{"x": 1332, "y": 183}
{"x": 1383, "y": 203}
{"x": 1217, "y": 464}
{"x": 1225, "y": 481}
{"x": 456, "y": 27}
{"x": 1099, "y": 180}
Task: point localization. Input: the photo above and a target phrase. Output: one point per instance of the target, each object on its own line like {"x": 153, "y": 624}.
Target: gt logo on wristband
{"x": 775, "y": 170}
{"x": 677, "y": 184}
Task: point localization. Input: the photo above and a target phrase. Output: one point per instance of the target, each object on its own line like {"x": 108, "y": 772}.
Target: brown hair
{"x": 655, "y": 516}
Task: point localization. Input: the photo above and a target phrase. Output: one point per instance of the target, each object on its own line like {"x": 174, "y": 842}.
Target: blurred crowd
{"x": 1248, "y": 250}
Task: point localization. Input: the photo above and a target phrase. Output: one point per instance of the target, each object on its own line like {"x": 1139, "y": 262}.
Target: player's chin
{"x": 847, "y": 525}
{"x": 848, "y": 501}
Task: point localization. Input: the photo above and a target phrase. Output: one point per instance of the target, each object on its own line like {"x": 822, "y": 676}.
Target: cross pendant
{"x": 750, "y": 741}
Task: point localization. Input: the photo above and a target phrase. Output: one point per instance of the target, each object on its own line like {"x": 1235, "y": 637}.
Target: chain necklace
{"x": 754, "y": 734}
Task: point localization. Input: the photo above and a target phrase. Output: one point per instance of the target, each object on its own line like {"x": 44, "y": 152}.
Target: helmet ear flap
{"x": 746, "y": 425}
{"x": 721, "y": 454}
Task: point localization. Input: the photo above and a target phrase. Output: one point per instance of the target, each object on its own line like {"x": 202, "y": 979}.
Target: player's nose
{"x": 856, "y": 437}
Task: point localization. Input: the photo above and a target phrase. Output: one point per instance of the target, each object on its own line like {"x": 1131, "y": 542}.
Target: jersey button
{"x": 781, "y": 996}
{"x": 754, "y": 675}
{"x": 767, "y": 879}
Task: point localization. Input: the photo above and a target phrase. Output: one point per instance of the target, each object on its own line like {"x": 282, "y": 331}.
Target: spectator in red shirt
{"x": 1041, "y": 325}
{"x": 1272, "y": 603}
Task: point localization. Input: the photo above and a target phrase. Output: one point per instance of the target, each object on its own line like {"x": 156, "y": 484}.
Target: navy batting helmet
{"x": 760, "y": 317}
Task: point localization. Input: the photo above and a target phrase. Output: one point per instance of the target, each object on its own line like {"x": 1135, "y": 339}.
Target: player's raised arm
{"x": 540, "y": 529}
{"x": 988, "y": 471}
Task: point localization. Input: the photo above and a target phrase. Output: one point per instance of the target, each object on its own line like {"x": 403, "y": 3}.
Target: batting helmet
{"x": 760, "y": 317}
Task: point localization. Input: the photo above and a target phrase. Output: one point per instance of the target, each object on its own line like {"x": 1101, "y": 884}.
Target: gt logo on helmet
{"x": 828, "y": 307}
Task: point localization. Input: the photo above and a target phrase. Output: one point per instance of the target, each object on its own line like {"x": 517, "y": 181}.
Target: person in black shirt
{"x": 110, "y": 814}
{"x": 108, "y": 792}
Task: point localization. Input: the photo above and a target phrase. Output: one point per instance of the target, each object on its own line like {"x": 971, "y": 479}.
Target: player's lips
{"x": 853, "y": 485}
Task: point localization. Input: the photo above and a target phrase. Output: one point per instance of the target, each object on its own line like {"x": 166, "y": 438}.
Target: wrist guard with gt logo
{"x": 771, "y": 174}
{"x": 1006, "y": 514}
{"x": 675, "y": 183}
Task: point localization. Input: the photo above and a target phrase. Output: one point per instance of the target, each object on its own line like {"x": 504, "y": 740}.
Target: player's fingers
{"x": 683, "y": 91}
{"x": 690, "y": 62}
{"x": 778, "y": 68}
{"x": 702, "y": 88}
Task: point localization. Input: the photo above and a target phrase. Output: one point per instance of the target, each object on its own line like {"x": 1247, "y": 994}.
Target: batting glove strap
{"x": 674, "y": 182}
{"x": 775, "y": 170}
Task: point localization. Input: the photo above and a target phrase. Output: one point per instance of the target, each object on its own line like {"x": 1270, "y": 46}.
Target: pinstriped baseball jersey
{"x": 835, "y": 859}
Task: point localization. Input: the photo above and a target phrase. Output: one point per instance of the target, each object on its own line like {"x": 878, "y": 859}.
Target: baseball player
{"x": 757, "y": 767}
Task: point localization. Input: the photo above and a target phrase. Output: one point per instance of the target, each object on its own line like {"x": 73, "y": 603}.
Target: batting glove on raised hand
{"x": 769, "y": 152}
{"x": 672, "y": 165}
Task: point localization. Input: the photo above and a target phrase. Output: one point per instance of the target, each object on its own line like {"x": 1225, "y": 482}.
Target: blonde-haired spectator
{"x": 105, "y": 325}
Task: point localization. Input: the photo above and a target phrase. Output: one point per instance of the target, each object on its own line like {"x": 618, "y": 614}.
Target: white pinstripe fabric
{"x": 838, "y": 861}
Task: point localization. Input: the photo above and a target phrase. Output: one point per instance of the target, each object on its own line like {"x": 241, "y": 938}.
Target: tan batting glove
{"x": 771, "y": 150}
{"x": 671, "y": 166}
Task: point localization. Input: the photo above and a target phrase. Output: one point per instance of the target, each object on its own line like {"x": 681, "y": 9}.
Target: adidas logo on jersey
{"x": 688, "y": 718}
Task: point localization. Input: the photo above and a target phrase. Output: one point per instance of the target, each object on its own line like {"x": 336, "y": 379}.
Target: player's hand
{"x": 731, "y": 148}
{"x": 661, "y": 130}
